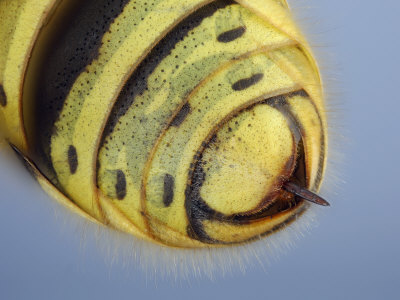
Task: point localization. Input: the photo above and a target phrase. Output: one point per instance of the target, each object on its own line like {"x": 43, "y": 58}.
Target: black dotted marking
{"x": 3, "y": 97}
{"x": 71, "y": 49}
{"x": 245, "y": 83}
{"x": 181, "y": 115}
{"x": 72, "y": 159}
{"x": 138, "y": 81}
{"x": 169, "y": 185}
{"x": 120, "y": 186}
{"x": 231, "y": 35}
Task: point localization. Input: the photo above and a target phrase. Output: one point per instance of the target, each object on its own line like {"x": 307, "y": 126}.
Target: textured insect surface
{"x": 190, "y": 123}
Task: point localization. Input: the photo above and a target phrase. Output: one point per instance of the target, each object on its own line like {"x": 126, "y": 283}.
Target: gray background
{"x": 352, "y": 254}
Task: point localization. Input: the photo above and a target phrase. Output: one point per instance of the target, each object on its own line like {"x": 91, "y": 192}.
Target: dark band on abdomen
{"x": 138, "y": 81}
{"x": 197, "y": 209}
{"x": 71, "y": 49}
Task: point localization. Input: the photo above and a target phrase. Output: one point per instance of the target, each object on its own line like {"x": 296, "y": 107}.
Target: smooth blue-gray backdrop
{"x": 353, "y": 254}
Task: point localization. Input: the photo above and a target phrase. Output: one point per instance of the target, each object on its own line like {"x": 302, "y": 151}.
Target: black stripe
{"x": 321, "y": 166}
{"x": 169, "y": 185}
{"x": 72, "y": 159}
{"x": 28, "y": 164}
{"x": 138, "y": 81}
{"x": 231, "y": 35}
{"x": 120, "y": 186}
{"x": 73, "y": 46}
{"x": 245, "y": 83}
{"x": 197, "y": 209}
{"x": 284, "y": 224}
{"x": 3, "y": 96}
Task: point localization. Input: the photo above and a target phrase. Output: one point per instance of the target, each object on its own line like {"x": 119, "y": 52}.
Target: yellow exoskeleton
{"x": 190, "y": 123}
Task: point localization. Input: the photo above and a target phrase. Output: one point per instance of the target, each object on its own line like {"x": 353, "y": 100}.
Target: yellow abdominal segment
{"x": 175, "y": 121}
{"x": 20, "y": 23}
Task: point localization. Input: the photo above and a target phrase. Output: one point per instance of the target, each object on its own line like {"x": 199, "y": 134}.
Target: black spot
{"x": 3, "y": 97}
{"x": 245, "y": 83}
{"x": 120, "y": 186}
{"x": 169, "y": 185}
{"x": 72, "y": 159}
{"x": 181, "y": 115}
{"x": 231, "y": 35}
